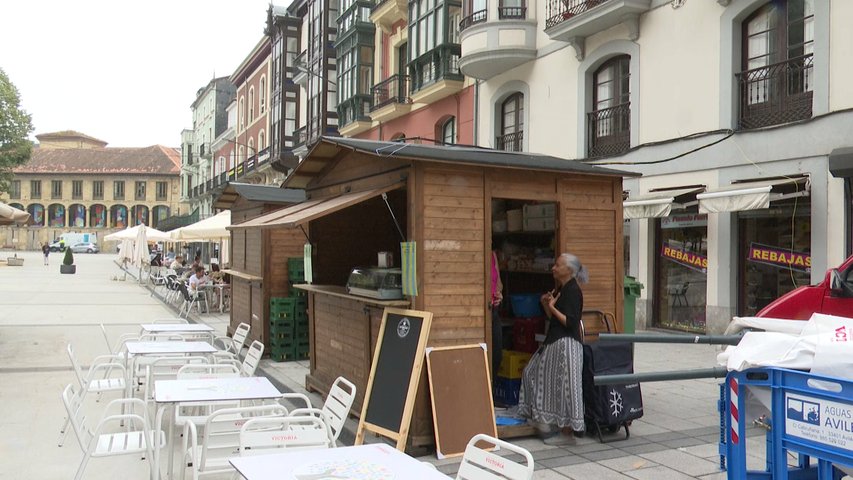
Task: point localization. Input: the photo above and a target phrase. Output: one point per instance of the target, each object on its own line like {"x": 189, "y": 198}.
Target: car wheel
{"x": 90, "y": 251}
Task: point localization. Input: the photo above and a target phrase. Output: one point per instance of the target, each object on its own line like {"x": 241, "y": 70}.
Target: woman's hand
{"x": 552, "y": 301}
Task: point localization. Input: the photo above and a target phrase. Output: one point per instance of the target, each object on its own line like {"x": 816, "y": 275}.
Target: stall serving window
{"x": 774, "y": 253}
{"x": 682, "y": 271}
{"x": 523, "y": 240}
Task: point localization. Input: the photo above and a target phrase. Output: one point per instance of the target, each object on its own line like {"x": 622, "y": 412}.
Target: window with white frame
{"x": 251, "y": 104}
{"x": 262, "y": 96}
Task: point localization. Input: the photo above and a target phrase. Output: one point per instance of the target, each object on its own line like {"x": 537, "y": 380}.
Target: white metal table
{"x": 176, "y": 327}
{"x": 171, "y": 392}
{"x": 376, "y": 461}
{"x": 163, "y": 348}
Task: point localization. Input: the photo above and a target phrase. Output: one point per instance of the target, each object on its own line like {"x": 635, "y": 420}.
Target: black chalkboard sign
{"x": 397, "y": 363}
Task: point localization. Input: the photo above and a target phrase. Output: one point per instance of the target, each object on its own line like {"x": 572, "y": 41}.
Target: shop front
{"x": 424, "y": 219}
{"x": 680, "y": 258}
{"x": 774, "y": 229}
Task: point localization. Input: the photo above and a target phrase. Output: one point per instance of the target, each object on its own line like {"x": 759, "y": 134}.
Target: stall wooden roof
{"x": 329, "y": 150}
{"x": 257, "y": 193}
{"x": 306, "y": 211}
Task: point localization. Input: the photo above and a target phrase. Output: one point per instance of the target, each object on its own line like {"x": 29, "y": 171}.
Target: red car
{"x": 832, "y": 296}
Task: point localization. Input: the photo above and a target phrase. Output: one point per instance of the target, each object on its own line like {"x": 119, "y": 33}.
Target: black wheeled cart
{"x": 609, "y": 408}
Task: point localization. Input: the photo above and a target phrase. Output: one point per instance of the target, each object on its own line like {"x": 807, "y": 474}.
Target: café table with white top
{"x": 376, "y": 461}
{"x": 194, "y": 329}
{"x": 172, "y": 392}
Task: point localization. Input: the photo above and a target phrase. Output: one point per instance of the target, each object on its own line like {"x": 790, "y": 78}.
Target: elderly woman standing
{"x": 551, "y": 389}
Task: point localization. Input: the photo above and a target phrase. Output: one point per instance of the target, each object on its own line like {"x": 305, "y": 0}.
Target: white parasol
{"x": 151, "y": 234}
{"x": 213, "y": 228}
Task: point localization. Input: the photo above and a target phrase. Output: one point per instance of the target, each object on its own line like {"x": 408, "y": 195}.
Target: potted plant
{"x": 68, "y": 263}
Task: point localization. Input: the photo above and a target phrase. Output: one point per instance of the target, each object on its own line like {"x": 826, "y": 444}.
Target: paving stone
{"x": 682, "y": 442}
{"x": 589, "y": 470}
{"x": 645, "y": 448}
{"x": 560, "y": 461}
{"x": 683, "y": 462}
{"x": 625, "y": 464}
{"x": 661, "y": 437}
{"x": 548, "y": 475}
{"x": 658, "y": 473}
{"x": 550, "y": 453}
{"x": 604, "y": 455}
{"x": 705, "y": 450}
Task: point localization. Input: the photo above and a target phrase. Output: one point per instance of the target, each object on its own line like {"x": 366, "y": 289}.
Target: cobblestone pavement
{"x": 41, "y": 311}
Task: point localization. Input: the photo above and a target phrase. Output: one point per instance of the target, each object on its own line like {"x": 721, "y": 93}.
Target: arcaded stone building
{"x": 75, "y": 183}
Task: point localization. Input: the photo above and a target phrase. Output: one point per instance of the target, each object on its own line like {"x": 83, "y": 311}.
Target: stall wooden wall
{"x": 264, "y": 254}
{"x": 591, "y": 228}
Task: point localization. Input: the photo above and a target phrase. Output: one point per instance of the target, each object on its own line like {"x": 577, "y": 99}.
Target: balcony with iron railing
{"x": 391, "y": 98}
{"x": 511, "y": 142}
{"x": 300, "y": 68}
{"x": 354, "y": 115}
{"x": 435, "y": 75}
{"x": 573, "y": 20}
{"x": 609, "y": 130}
{"x": 300, "y": 136}
{"x": 474, "y": 18}
{"x": 496, "y": 40}
{"x": 776, "y": 94}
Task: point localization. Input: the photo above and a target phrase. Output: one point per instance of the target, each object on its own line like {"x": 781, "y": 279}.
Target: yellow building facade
{"x": 75, "y": 183}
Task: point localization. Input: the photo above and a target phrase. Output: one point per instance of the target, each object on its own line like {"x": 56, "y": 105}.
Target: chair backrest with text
{"x": 261, "y": 436}
{"x": 479, "y": 464}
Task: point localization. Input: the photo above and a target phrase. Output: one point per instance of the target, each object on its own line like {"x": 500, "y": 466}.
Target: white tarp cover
{"x": 823, "y": 347}
{"x": 779, "y": 325}
{"x": 151, "y": 234}
{"x": 656, "y": 208}
{"x": 735, "y": 200}
{"x": 212, "y": 228}
{"x": 10, "y": 215}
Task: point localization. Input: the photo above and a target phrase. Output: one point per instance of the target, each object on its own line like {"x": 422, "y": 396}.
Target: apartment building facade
{"x": 398, "y": 72}
{"x": 75, "y": 183}
{"x": 735, "y": 112}
{"x": 198, "y": 166}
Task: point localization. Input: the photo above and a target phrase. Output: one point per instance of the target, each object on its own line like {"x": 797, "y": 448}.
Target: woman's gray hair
{"x": 573, "y": 262}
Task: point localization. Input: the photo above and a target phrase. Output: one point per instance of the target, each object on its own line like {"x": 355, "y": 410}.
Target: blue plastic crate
{"x": 526, "y": 305}
{"x": 507, "y": 390}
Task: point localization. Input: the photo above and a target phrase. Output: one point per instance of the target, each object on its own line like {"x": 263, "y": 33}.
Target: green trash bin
{"x": 632, "y": 293}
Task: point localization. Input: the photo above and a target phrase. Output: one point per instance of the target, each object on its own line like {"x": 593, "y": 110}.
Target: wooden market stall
{"x": 258, "y": 263}
{"x": 366, "y": 197}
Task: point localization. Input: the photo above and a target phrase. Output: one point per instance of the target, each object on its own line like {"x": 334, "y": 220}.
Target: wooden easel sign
{"x": 397, "y": 362}
{"x": 461, "y": 395}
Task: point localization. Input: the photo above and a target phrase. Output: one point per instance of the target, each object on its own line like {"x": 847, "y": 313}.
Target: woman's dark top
{"x": 569, "y": 304}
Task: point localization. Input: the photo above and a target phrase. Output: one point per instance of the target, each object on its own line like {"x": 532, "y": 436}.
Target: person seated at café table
{"x": 178, "y": 263}
{"x": 216, "y": 274}
{"x": 198, "y": 279}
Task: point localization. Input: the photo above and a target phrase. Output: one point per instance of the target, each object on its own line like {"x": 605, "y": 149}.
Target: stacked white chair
{"x": 231, "y": 347}
{"x": 208, "y": 454}
{"x": 479, "y": 464}
{"x": 104, "y": 375}
{"x": 136, "y": 438}
{"x": 252, "y": 360}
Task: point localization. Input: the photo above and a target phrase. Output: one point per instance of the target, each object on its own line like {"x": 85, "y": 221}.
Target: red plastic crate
{"x": 524, "y": 332}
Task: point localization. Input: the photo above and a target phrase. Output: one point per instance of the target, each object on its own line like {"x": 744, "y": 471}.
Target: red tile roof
{"x": 153, "y": 160}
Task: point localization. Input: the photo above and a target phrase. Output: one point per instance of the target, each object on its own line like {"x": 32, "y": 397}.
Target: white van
{"x": 72, "y": 239}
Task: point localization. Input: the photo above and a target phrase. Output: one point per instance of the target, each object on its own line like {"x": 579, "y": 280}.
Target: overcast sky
{"x": 121, "y": 71}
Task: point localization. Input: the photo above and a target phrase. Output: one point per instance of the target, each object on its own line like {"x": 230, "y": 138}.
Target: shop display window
{"x": 773, "y": 255}
{"x": 682, "y": 271}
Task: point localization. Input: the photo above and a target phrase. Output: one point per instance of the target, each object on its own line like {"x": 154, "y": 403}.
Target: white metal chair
{"x": 220, "y": 439}
{"x": 141, "y": 440}
{"x": 253, "y": 358}
{"x": 234, "y": 344}
{"x": 261, "y": 436}
{"x": 100, "y": 378}
{"x": 478, "y": 464}
{"x": 335, "y": 409}
{"x": 192, "y": 299}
